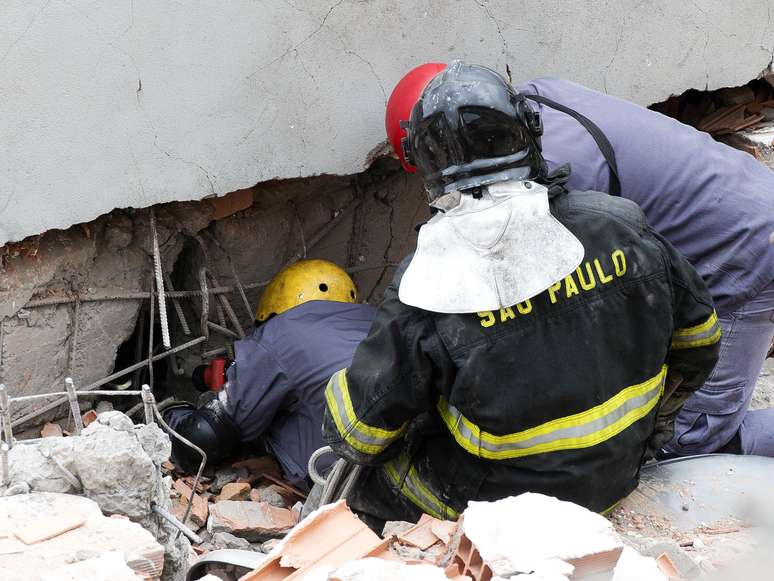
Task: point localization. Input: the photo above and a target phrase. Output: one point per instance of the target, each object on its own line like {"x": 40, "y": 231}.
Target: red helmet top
{"x": 402, "y": 99}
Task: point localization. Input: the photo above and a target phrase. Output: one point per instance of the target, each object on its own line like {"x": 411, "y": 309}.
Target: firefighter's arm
{"x": 695, "y": 344}
{"x": 390, "y": 381}
{"x": 258, "y": 388}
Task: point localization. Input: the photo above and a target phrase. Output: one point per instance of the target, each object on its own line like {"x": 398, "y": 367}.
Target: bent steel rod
{"x": 187, "y": 294}
{"x": 91, "y": 387}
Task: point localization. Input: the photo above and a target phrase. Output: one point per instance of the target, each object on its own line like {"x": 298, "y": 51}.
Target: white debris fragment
{"x": 373, "y": 569}
{"x": 634, "y": 567}
{"x": 535, "y": 533}
{"x": 106, "y": 567}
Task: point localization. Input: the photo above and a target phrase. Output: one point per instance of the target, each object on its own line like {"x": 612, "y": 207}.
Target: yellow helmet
{"x": 302, "y": 281}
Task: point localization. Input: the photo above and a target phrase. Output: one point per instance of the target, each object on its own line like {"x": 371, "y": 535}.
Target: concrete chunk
{"x": 254, "y": 521}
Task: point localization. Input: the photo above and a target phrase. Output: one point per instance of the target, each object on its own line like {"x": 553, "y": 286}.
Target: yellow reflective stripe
{"x": 707, "y": 333}
{"x": 580, "y": 430}
{"x": 412, "y": 487}
{"x": 687, "y": 331}
{"x": 361, "y": 436}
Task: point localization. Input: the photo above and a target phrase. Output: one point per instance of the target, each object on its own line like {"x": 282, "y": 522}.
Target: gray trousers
{"x": 717, "y": 415}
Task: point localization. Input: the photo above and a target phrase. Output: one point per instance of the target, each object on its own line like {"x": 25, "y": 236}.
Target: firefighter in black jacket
{"x": 538, "y": 340}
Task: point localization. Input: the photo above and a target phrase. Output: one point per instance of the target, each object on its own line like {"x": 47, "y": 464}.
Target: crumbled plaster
{"x": 126, "y": 104}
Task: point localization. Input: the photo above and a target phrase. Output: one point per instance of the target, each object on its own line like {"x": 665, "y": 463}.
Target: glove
{"x": 209, "y": 427}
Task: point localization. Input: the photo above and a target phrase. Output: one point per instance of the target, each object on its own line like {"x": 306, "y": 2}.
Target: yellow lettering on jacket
{"x": 487, "y": 318}
{"x": 619, "y": 262}
{"x": 585, "y": 278}
{"x": 569, "y": 286}
{"x": 552, "y": 290}
{"x": 586, "y": 284}
{"x": 603, "y": 278}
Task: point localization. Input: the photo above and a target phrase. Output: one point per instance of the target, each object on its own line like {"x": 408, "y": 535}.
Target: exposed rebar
{"x": 74, "y": 337}
{"x": 5, "y": 477}
{"x": 147, "y": 400}
{"x": 75, "y": 409}
{"x": 190, "y": 444}
{"x": 222, "y": 330}
{"x": 152, "y": 309}
{"x": 186, "y": 294}
{"x": 205, "y": 314}
{"x": 157, "y": 271}
{"x": 5, "y": 416}
{"x": 178, "y": 306}
{"x": 35, "y": 413}
{"x": 168, "y": 516}
{"x": 35, "y": 396}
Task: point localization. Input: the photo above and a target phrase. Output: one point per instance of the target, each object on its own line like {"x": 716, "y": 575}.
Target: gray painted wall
{"x": 134, "y": 102}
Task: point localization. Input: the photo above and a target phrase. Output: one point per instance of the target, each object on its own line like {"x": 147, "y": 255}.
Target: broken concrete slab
{"x": 520, "y": 534}
{"x": 96, "y": 536}
{"x": 634, "y": 567}
{"x": 254, "y": 521}
{"x": 108, "y": 566}
{"x": 114, "y": 468}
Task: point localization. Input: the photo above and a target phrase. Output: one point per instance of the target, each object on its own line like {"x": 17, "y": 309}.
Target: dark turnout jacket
{"x": 561, "y": 394}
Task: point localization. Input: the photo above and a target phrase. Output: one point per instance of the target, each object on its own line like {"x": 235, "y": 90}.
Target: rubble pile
{"x": 742, "y": 117}
{"x": 115, "y": 464}
{"x": 242, "y": 506}
{"x": 530, "y": 537}
{"x": 47, "y": 535}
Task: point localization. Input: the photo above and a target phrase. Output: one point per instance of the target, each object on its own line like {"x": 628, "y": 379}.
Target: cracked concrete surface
{"x": 126, "y": 104}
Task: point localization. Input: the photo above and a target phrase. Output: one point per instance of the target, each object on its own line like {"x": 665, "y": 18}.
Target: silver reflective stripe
{"x": 405, "y": 478}
{"x": 580, "y": 430}
{"x": 697, "y": 339}
{"x": 362, "y": 437}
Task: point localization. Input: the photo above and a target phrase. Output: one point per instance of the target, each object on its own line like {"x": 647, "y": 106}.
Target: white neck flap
{"x": 488, "y": 253}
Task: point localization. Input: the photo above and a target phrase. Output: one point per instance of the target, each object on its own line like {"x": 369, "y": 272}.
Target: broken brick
{"x": 234, "y": 491}
{"x": 88, "y": 417}
{"x": 51, "y": 431}
{"x": 200, "y": 509}
{"x": 232, "y": 203}
{"x": 254, "y": 521}
{"x": 257, "y": 467}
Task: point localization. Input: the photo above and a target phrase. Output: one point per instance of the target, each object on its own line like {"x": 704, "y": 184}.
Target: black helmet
{"x": 471, "y": 128}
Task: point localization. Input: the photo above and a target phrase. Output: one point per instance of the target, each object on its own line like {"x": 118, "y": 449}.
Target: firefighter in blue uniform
{"x": 308, "y": 324}
{"x": 537, "y": 340}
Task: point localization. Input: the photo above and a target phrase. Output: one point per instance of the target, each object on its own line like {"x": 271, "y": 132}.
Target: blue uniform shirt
{"x": 276, "y": 384}
{"x": 715, "y": 204}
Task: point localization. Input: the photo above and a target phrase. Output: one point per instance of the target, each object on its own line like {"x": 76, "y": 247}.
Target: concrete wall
{"x": 134, "y": 102}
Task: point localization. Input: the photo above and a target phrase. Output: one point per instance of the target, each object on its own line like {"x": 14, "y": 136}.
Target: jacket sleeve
{"x": 695, "y": 343}
{"x": 257, "y": 389}
{"x": 391, "y": 380}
